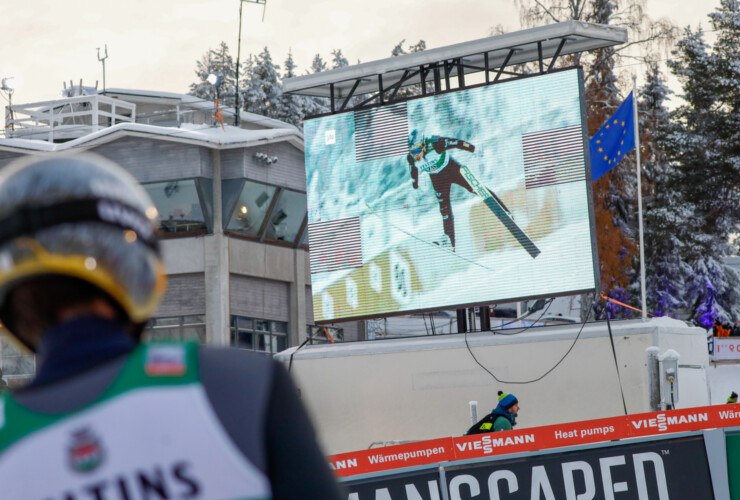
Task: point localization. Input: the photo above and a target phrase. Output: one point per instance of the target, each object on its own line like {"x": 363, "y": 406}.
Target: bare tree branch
{"x": 651, "y": 38}
{"x": 547, "y": 11}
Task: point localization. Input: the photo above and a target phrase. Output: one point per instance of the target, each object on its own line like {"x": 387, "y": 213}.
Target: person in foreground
{"x": 108, "y": 417}
{"x": 501, "y": 418}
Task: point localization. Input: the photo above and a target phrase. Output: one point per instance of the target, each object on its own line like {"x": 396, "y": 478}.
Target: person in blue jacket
{"x": 501, "y": 418}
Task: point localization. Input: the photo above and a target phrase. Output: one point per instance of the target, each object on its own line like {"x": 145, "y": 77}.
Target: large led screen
{"x": 469, "y": 197}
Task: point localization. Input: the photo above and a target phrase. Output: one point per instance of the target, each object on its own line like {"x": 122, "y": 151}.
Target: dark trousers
{"x": 442, "y": 183}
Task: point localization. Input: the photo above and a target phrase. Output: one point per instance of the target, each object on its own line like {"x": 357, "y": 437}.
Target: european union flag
{"x": 614, "y": 139}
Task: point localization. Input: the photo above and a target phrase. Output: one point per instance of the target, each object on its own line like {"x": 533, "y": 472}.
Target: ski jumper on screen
{"x": 433, "y": 155}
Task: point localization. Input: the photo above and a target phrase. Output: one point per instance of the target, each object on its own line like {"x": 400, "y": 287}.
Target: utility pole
{"x": 237, "y": 108}
{"x": 102, "y": 60}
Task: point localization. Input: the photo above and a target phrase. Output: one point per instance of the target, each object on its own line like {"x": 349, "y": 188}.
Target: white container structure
{"x": 420, "y": 388}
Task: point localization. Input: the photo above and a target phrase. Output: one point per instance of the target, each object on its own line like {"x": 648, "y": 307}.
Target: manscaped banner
{"x": 533, "y": 439}
{"x": 675, "y": 468}
{"x": 653, "y": 470}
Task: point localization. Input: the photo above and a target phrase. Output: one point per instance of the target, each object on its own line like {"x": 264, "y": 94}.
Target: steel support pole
{"x": 639, "y": 198}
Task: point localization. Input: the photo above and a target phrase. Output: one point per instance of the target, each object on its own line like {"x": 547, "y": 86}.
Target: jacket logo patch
{"x": 85, "y": 452}
{"x": 165, "y": 360}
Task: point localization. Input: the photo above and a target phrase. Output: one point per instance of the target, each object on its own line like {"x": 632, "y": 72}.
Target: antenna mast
{"x": 237, "y": 108}
{"x": 102, "y": 60}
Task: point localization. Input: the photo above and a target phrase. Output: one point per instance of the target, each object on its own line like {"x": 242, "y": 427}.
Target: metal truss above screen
{"x": 378, "y": 82}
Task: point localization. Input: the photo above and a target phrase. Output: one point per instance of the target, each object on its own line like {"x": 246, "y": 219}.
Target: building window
{"x": 287, "y": 216}
{"x": 177, "y": 328}
{"x": 180, "y": 205}
{"x": 259, "y": 335}
{"x": 252, "y": 206}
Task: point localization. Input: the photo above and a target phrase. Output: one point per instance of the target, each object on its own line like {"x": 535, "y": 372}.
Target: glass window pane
{"x": 261, "y": 325}
{"x": 287, "y": 217}
{"x": 178, "y": 204}
{"x": 243, "y": 323}
{"x": 174, "y": 321}
{"x": 262, "y": 342}
{"x": 197, "y": 319}
{"x": 242, "y": 340}
{"x": 281, "y": 343}
{"x": 280, "y": 327}
{"x": 251, "y": 208}
{"x": 194, "y": 332}
{"x": 163, "y": 333}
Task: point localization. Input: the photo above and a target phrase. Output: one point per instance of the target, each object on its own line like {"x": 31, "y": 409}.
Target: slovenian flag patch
{"x": 165, "y": 360}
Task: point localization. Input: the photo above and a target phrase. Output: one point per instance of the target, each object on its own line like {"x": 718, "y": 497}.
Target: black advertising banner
{"x": 421, "y": 485}
{"x": 656, "y": 470}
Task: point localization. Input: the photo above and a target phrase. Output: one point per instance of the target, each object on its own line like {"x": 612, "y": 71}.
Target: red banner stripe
{"x": 534, "y": 439}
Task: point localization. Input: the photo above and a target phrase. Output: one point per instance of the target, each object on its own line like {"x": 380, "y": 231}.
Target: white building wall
{"x": 416, "y": 389}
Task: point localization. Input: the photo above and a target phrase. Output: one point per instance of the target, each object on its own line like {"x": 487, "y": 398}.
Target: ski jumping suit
{"x": 156, "y": 421}
{"x": 444, "y": 171}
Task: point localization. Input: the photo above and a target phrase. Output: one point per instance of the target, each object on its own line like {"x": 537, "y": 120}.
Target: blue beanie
{"x": 506, "y": 400}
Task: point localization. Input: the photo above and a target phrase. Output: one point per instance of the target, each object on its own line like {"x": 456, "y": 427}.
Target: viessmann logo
{"x": 662, "y": 421}
{"x": 488, "y": 442}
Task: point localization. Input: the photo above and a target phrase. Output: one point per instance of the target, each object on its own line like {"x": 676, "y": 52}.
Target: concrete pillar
{"x": 216, "y": 250}
{"x": 297, "y": 322}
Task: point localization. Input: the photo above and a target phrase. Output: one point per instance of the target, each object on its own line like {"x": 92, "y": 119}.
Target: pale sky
{"x": 154, "y": 44}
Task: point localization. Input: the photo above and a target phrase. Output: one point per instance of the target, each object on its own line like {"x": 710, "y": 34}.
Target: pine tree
{"x": 615, "y": 204}
{"x": 666, "y": 219}
{"x": 338, "y": 60}
{"x": 291, "y": 106}
{"x": 398, "y": 50}
{"x": 613, "y": 194}
{"x": 317, "y": 65}
{"x": 219, "y": 62}
{"x": 262, "y": 88}
{"x": 703, "y": 145}
{"x": 316, "y": 105}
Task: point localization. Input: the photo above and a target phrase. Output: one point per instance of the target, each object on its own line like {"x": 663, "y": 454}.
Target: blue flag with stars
{"x": 613, "y": 140}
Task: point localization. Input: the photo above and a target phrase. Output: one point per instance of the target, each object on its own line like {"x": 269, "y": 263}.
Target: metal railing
{"x": 65, "y": 119}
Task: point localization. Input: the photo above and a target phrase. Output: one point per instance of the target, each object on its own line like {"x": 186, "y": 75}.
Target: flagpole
{"x": 639, "y": 197}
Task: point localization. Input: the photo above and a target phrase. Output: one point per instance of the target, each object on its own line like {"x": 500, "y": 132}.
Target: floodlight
{"x": 212, "y": 79}
{"x": 8, "y": 84}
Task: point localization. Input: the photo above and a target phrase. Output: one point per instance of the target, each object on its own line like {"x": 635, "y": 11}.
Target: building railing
{"x": 66, "y": 119}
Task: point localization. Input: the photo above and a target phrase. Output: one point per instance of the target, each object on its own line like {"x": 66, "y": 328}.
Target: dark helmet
{"x": 82, "y": 217}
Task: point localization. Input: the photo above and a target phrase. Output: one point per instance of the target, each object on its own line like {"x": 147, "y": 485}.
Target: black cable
{"x": 290, "y": 363}
{"x": 549, "y": 303}
{"x": 614, "y": 352}
{"x": 544, "y": 374}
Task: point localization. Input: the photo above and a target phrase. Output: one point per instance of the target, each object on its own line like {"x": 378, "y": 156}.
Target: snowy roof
{"x": 203, "y": 135}
{"x": 526, "y": 46}
{"x": 155, "y": 96}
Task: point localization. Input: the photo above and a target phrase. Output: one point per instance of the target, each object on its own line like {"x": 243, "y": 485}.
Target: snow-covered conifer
{"x": 262, "y": 87}
{"x": 338, "y": 60}
{"x": 703, "y": 145}
{"x": 217, "y": 61}
{"x": 291, "y": 107}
